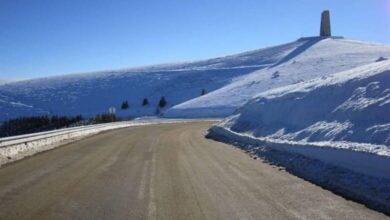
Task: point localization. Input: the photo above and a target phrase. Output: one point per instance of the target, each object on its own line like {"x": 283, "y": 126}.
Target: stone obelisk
{"x": 325, "y": 24}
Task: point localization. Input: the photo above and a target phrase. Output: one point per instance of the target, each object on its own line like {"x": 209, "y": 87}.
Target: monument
{"x": 325, "y": 24}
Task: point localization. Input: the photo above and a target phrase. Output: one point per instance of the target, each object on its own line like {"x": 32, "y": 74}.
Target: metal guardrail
{"x": 40, "y": 133}
{"x": 15, "y": 140}
{"x": 10, "y": 141}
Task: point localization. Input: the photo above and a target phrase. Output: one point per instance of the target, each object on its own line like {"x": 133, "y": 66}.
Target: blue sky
{"x": 51, "y": 37}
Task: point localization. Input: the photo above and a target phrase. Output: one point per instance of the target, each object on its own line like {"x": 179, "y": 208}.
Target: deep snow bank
{"x": 351, "y": 106}
{"x": 314, "y": 57}
{"x": 341, "y": 171}
{"x": 340, "y": 123}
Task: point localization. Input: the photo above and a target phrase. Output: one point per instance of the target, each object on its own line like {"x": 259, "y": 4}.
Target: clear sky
{"x": 51, "y": 37}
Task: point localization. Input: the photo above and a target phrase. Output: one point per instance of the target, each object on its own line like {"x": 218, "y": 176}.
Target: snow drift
{"x": 349, "y": 106}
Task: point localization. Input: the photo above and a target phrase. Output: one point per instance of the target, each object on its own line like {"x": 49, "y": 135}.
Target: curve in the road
{"x": 167, "y": 171}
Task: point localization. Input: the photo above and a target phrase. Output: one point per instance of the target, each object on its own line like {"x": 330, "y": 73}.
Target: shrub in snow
{"x": 145, "y": 102}
{"x": 162, "y": 103}
{"x": 125, "y": 105}
{"x": 381, "y": 59}
{"x": 104, "y": 118}
{"x": 275, "y": 75}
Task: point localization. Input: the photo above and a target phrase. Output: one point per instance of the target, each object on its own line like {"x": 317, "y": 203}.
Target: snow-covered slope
{"x": 8, "y": 106}
{"x": 315, "y": 57}
{"x": 94, "y": 93}
{"x": 333, "y": 131}
{"x": 230, "y": 81}
{"x": 350, "y": 106}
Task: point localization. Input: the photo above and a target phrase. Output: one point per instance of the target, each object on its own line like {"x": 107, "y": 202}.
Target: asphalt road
{"x": 167, "y": 171}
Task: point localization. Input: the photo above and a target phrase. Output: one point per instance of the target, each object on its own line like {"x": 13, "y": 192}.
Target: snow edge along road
{"x": 363, "y": 177}
{"x": 16, "y": 148}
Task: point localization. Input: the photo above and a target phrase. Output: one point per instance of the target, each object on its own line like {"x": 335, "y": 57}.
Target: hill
{"x": 314, "y": 57}
{"x": 333, "y": 131}
{"x": 350, "y": 106}
{"x": 229, "y": 82}
{"x": 94, "y": 93}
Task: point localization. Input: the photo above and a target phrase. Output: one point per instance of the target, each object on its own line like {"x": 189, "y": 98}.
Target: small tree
{"x": 162, "y": 103}
{"x": 145, "y": 102}
{"x": 125, "y": 105}
{"x": 275, "y": 75}
{"x": 203, "y": 92}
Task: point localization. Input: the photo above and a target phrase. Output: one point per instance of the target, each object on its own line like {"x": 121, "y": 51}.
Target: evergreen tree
{"x": 203, "y": 92}
{"x": 25, "y": 125}
{"x": 125, "y": 105}
{"x": 104, "y": 118}
{"x": 145, "y": 102}
{"x": 162, "y": 103}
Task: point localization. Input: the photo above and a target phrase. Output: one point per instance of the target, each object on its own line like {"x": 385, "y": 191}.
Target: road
{"x": 167, "y": 171}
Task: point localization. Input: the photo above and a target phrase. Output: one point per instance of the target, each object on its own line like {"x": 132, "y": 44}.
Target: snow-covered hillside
{"x": 314, "y": 57}
{"x": 351, "y": 106}
{"x": 94, "y": 93}
{"x": 229, "y": 81}
{"x": 8, "y": 106}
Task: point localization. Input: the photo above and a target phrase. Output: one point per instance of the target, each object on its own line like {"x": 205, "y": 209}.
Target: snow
{"x": 315, "y": 105}
{"x": 314, "y": 57}
{"x": 336, "y": 166}
{"x": 230, "y": 81}
{"x": 17, "y": 147}
{"x": 94, "y": 93}
{"x": 367, "y": 182}
{"x": 352, "y": 106}
{"x": 8, "y": 106}
{"x": 337, "y": 125}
